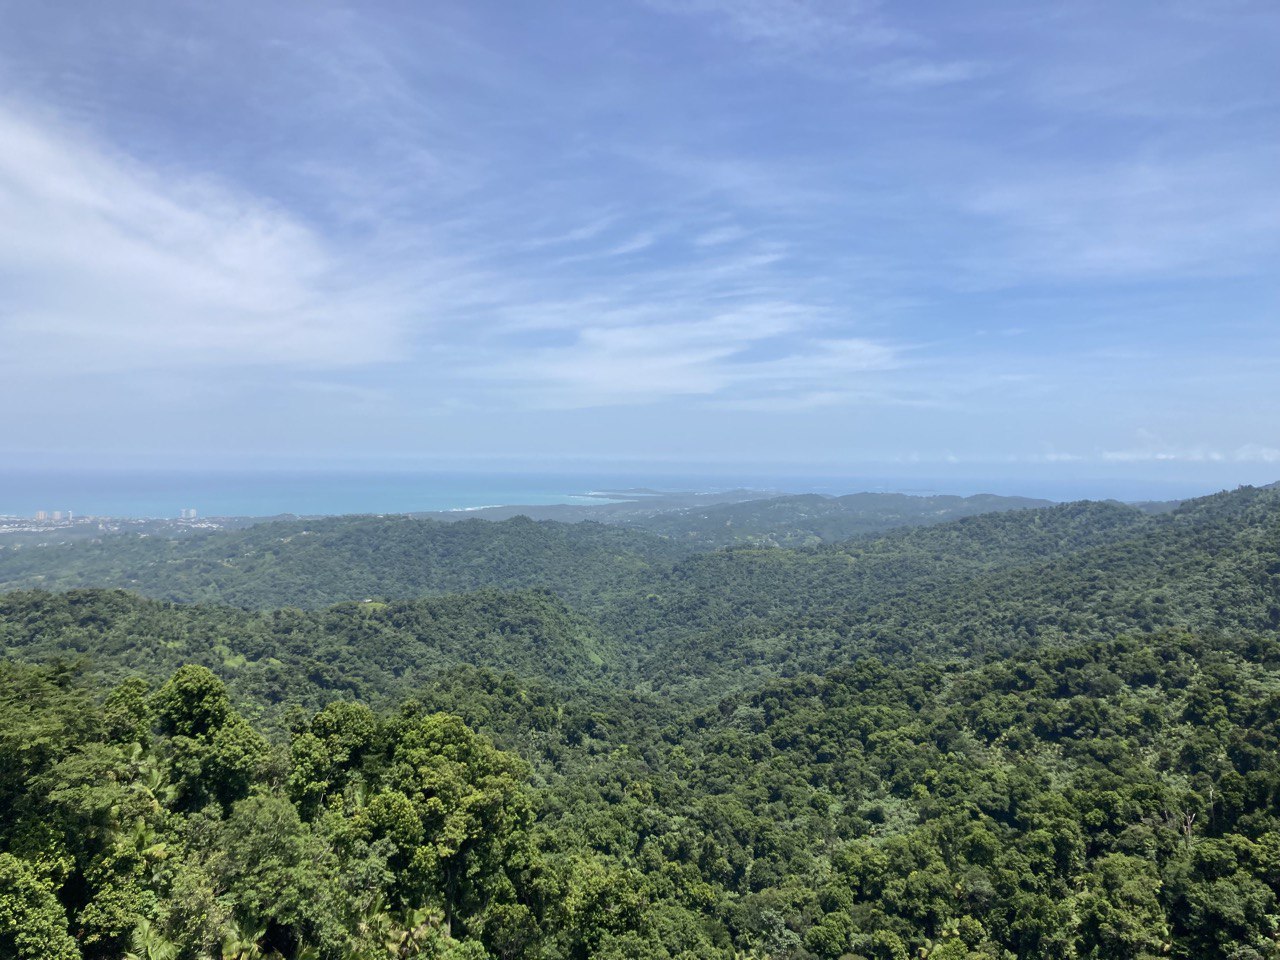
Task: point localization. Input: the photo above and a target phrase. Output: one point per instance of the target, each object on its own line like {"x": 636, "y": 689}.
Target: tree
{"x": 32, "y": 923}
{"x": 471, "y": 811}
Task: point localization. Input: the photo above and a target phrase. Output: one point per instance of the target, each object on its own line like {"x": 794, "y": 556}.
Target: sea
{"x": 273, "y": 493}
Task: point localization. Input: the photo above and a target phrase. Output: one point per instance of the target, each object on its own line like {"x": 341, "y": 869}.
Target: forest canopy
{"x": 1049, "y": 733}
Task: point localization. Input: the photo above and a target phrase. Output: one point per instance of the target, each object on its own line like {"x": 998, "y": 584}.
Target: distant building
{"x": 188, "y": 513}
{"x": 42, "y": 515}
{"x": 57, "y": 515}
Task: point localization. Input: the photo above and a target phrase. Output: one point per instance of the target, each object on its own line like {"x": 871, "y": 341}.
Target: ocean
{"x": 260, "y": 494}
{"x": 217, "y": 494}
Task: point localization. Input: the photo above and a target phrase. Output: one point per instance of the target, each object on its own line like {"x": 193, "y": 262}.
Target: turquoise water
{"x": 269, "y": 494}
{"x": 244, "y": 494}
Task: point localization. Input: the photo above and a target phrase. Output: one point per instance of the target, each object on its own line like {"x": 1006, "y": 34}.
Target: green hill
{"x": 810, "y": 519}
{"x": 703, "y": 623}
{"x": 1116, "y": 799}
{"x": 318, "y": 562}
{"x": 977, "y": 587}
{"x": 1046, "y": 733}
{"x": 373, "y": 651}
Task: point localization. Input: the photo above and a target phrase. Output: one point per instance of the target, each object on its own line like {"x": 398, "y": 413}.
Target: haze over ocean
{"x": 269, "y": 493}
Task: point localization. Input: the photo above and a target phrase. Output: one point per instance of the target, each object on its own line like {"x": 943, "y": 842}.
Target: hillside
{"x": 685, "y": 614}
{"x": 373, "y": 651}
{"x": 1110, "y": 800}
{"x": 977, "y": 587}
{"x": 321, "y": 561}
{"x": 711, "y": 622}
{"x": 810, "y": 519}
{"x": 1046, "y": 733}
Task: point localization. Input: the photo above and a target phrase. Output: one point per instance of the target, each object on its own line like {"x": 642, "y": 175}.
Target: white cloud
{"x": 837, "y": 40}
{"x": 914, "y": 73}
{"x": 793, "y": 26}
{"x": 641, "y": 241}
{"x": 719, "y": 235}
{"x": 589, "y": 230}
{"x": 1209, "y": 215}
{"x": 1174, "y": 454}
{"x": 757, "y": 354}
{"x": 1256, "y": 453}
{"x": 115, "y": 266}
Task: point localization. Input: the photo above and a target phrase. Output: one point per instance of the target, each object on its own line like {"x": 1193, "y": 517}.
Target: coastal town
{"x": 51, "y": 527}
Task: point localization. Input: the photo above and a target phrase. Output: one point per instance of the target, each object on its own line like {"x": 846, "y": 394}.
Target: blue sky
{"x": 994, "y": 238}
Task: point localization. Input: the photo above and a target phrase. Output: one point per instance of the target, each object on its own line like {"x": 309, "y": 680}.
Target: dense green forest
{"x": 1045, "y": 733}
{"x": 321, "y": 561}
{"x": 810, "y": 519}
{"x": 371, "y": 651}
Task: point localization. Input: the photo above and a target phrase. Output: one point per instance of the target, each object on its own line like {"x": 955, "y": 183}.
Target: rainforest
{"x": 1039, "y": 732}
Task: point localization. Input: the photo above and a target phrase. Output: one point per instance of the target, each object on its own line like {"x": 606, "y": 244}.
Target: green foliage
{"x": 1045, "y": 734}
{"x": 983, "y": 586}
{"x": 186, "y": 842}
{"x": 194, "y": 703}
{"x": 811, "y": 519}
{"x": 378, "y": 652}
{"x": 322, "y": 561}
{"x": 32, "y": 923}
{"x": 1111, "y": 800}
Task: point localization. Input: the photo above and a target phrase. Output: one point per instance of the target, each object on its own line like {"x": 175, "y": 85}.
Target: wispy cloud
{"x": 738, "y": 357}
{"x": 1247, "y": 453}
{"x": 842, "y": 41}
{"x": 794, "y": 26}
{"x": 116, "y": 266}
{"x": 1207, "y": 215}
{"x": 1146, "y": 455}
{"x": 129, "y": 267}
{"x": 718, "y": 235}
{"x": 1195, "y": 61}
{"x": 1257, "y": 453}
{"x": 700, "y": 217}
{"x": 913, "y": 73}
{"x": 572, "y": 236}
{"x": 641, "y": 241}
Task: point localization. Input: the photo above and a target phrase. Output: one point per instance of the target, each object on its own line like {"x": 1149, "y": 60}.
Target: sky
{"x": 1001, "y": 239}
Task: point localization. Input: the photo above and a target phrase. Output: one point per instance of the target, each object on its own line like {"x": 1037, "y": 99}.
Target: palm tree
{"x": 149, "y": 944}
{"x": 418, "y": 929}
{"x": 241, "y": 944}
